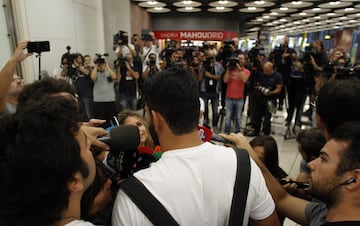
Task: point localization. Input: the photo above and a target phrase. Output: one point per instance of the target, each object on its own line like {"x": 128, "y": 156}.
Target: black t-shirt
{"x": 127, "y": 84}
{"x": 84, "y": 85}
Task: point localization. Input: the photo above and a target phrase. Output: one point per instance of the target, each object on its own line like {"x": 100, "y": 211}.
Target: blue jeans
{"x": 233, "y": 111}
{"x": 127, "y": 102}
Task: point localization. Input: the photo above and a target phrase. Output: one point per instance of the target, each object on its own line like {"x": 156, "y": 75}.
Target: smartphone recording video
{"x": 38, "y": 47}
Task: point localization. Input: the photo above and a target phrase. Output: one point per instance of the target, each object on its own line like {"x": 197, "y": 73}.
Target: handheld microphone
{"x": 206, "y": 135}
{"x": 122, "y": 138}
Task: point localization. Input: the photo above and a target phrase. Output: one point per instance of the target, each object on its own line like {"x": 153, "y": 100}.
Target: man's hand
{"x": 19, "y": 54}
{"x": 92, "y": 133}
{"x": 238, "y": 139}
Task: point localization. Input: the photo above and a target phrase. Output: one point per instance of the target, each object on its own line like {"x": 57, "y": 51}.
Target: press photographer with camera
{"x": 151, "y": 67}
{"x": 127, "y": 75}
{"x": 282, "y": 60}
{"x": 315, "y": 60}
{"x": 124, "y": 47}
{"x": 267, "y": 87}
{"x": 104, "y": 93}
{"x": 80, "y": 75}
{"x": 210, "y": 88}
{"x": 235, "y": 77}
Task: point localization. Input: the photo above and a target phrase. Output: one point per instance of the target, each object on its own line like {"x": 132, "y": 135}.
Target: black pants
{"x": 296, "y": 96}
{"x": 260, "y": 112}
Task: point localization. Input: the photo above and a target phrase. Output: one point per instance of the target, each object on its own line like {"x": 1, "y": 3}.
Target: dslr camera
{"x": 100, "y": 58}
{"x": 263, "y": 90}
{"x": 232, "y": 62}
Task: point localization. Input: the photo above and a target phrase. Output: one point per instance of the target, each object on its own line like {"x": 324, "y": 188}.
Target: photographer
{"x": 127, "y": 75}
{"x": 124, "y": 47}
{"x": 315, "y": 61}
{"x": 283, "y": 62}
{"x": 151, "y": 67}
{"x": 235, "y": 77}
{"x": 210, "y": 87}
{"x": 267, "y": 87}
{"x": 84, "y": 86}
{"x": 103, "y": 92}
{"x": 151, "y": 46}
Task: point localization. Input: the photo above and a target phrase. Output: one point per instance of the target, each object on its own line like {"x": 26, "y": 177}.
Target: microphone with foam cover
{"x": 122, "y": 138}
{"x": 207, "y": 135}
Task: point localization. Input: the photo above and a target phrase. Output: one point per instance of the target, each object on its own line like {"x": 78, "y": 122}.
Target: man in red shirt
{"x": 235, "y": 76}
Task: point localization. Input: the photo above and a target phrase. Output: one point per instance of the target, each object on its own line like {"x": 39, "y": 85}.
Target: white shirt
{"x": 196, "y": 186}
{"x": 79, "y": 223}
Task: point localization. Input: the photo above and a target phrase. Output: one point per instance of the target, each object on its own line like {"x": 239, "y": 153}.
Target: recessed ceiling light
{"x": 352, "y": 21}
{"x": 316, "y": 9}
{"x": 152, "y": 2}
{"x": 296, "y": 2}
{"x": 259, "y": 2}
{"x": 343, "y": 18}
{"x": 259, "y": 19}
{"x": 334, "y": 3}
{"x": 331, "y": 14}
{"x": 158, "y": 8}
{"x": 274, "y": 14}
{"x": 224, "y": 2}
{"x": 266, "y": 17}
{"x": 317, "y": 17}
{"x": 284, "y": 8}
{"x": 348, "y": 9}
{"x": 283, "y": 20}
{"x": 251, "y": 8}
{"x": 189, "y": 8}
{"x": 187, "y": 2}
{"x": 302, "y": 14}
{"x": 306, "y": 20}
{"x": 296, "y": 22}
{"x": 336, "y": 27}
{"x": 220, "y": 7}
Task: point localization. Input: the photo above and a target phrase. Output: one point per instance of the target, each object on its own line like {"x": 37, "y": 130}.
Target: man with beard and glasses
{"x": 193, "y": 180}
{"x": 333, "y": 102}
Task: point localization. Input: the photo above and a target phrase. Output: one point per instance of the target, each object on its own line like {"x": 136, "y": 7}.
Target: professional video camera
{"x": 67, "y": 62}
{"x": 308, "y": 53}
{"x": 100, "y": 58}
{"x": 253, "y": 53}
{"x": 121, "y": 38}
{"x": 232, "y": 61}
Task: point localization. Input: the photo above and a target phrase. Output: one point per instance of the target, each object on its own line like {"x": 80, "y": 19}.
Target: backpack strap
{"x": 146, "y": 202}
{"x": 241, "y": 187}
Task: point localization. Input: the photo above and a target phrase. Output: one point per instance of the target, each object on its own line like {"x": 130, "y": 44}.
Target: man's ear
{"x": 76, "y": 183}
{"x": 158, "y": 119}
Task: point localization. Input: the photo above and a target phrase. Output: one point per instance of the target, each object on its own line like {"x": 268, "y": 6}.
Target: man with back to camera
{"x": 55, "y": 164}
{"x": 333, "y": 101}
{"x": 235, "y": 78}
{"x": 193, "y": 180}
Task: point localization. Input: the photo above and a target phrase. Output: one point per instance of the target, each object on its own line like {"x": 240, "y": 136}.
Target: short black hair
{"x": 348, "y": 132}
{"x": 311, "y": 141}
{"x": 43, "y": 154}
{"x": 338, "y": 102}
{"x": 174, "y": 93}
{"x": 44, "y": 87}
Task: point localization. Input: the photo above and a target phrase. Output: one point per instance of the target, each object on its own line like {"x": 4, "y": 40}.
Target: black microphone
{"x": 122, "y": 138}
{"x": 299, "y": 184}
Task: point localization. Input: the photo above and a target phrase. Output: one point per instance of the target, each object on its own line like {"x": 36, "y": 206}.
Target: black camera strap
{"x": 148, "y": 52}
{"x": 158, "y": 215}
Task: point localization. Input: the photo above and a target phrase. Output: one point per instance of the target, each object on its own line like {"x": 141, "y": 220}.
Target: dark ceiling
{"x": 300, "y": 16}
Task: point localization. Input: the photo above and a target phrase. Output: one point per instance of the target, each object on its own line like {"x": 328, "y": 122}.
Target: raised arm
{"x": 7, "y": 72}
{"x": 290, "y": 206}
